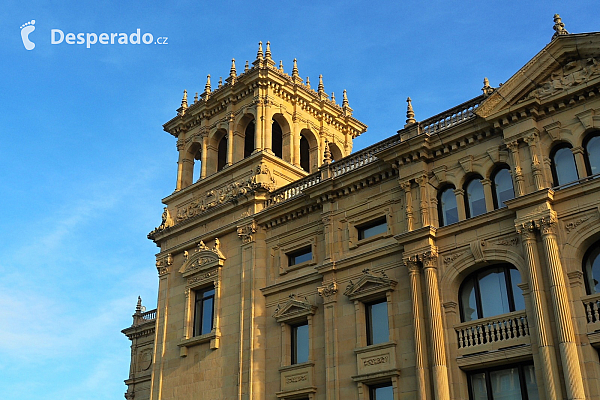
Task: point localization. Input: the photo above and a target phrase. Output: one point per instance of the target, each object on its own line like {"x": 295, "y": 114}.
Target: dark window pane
{"x": 592, "y": 269}
{"x": 300, "y": 256}
{"x": 304, "y": 154}
{"x": 249, "y": 139}
{"x": 492, "y": 288}
{"x": 503, "y": 187}
{"x": 467, "y": 299}
{"x": 300, "y": 344}
{"x": 382, "y": 393}
{"x": 515, "y": 279}
{"x": 448, "y": 207}
{"x": 377, "y": 321}
{"x": 207, "y": 316}
{"x": 475, "y": 198}
{"x": 478, "y": 387}
{"x": 506, "y": 384}
{"x": 372, "y": 228}
{"x": 277, "y": 139}
{"x": 593, "y": 153}
{"x": 564, "y": 166}
{"x": 530, "y": 382}
{"x": 222, "y": 153}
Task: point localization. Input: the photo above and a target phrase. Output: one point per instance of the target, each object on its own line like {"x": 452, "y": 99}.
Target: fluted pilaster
{"x": 412, "y": 263}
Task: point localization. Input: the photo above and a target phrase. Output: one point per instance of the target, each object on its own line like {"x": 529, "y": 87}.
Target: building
{"x": 459, "y": 258}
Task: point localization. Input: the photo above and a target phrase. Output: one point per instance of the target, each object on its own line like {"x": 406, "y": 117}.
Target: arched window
{"x": 591, "y": 269}
{"x": 277, "y": 139}
{"x": 491, "y": 291}
{"x": 502, "y": 187}
{"x": 475, "y": 204}
{"x": 592, "y": 153}
{"x": 304, "y": 153}
{"x": 197, "y": 165}
{"x": 447, "y": 208}
{"x": 249, "y": 139}
{"x": 222, "y": 153}
{"x": 563, "y": 165}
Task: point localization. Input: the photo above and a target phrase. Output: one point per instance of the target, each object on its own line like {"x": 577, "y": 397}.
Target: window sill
{"x": 370, "y": 239}
{"x": 373, "y": 347}
{"x": 298, "y": 266}
{"x": 297, "y": 366}
{"x": 196, "y": 340}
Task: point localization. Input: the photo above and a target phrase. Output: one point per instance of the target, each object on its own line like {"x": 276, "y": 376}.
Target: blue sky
{"x": 84, "y": 161}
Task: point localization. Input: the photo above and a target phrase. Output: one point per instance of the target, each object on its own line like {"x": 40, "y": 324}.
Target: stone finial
{"x": 232, "y": 71}
{"x": 487, "y": 89}
{"x": 259, "y": 54}
{"x": 138, "y": 307}
{"x": 246, "y": 67}
{"x": 196, "y": 98}
{"x": 345, "y": 100}
{"x": 410, "y": 114}
{"x": 333, "y": 97}
{"x": 308, "y": 82}
{"x": 268, "y": 51}
{"x": 220, "y": 83}
{"x": 207, "y": 88}
{"x": 281, "y": 65}
{"x": 559, "y": 27}
{"x": 321, "y": 88}
{"x": 295, "y": 70}
{"x": 184, "y": 103}
{"x": 326, "y": 154}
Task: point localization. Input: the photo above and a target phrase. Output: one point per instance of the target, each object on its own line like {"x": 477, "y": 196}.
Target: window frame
{"x": 478, "y": 301}
{"x": 369, "y": 320}
{"x": 294, "y": 343}
{"x": 556, "y": 149}
{"x": 374, "y": 223}
{"x": 497, "y": 170}
{"x": 489, "y": 370}
{"x": 587, "y": 279}
{"x": 373, "y": 388}
{"x": 441, "y": 220}
{"x": 294, "y": 254}
{"x": 468, "y": 182}
{"x": 199, "y": 303}
{"x": 586, "y": 141}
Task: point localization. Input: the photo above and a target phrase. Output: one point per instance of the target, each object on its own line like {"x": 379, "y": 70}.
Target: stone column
{"x": 460, "y": 204}
{"x": 295, "y": 144}
{"x": 409, "y": 209}
{"x": 488, "y": 193}
{"x": 562, "y": 309}
{"x": 440, "y": 369}
{"x": 518, "y": 177}
{"x": 419, "y": 335}
{"x": 536, "y": 166}
{"x": 579, "y": 161}
{"x": 203, "y": 157}
{"x": 180, "y": 164}
{"x": 230, "y": 141}
{"x": 540, "y": 313}
{"x": 423, "y": 204}
{"x": 329, "y": 294}
{"x": 268, "y": 116}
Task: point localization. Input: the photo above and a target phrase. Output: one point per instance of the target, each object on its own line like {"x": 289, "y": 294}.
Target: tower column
{"x": 440, "y": 369}
{"x": 230, "y": 140}
{"x": 180, "y": 161}
{"x": 518, "y": 177}
{"x": 540, "y": 313}
{"x": 204, "y": 156}
{"x": 423, "y": 204}
{"x": 419, "y": 335}
{"x": 562, "y": 310}
{"x": 268, "y": 126}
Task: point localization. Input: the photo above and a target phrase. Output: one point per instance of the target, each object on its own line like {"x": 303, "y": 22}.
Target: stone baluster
{"x": 562, "y": 310}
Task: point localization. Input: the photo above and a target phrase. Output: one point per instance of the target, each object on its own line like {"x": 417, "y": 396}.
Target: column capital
{"x": 422, "y": 180}
{"x": 412, "y": 263}
{"x": 513, "y": 145}
{"x": 548, "y": 225}
{"x": 328, "y": 291}
{"x": 429, "y": 258}
{"x": 405, "y": 185}
{"x": 526, "y": 230}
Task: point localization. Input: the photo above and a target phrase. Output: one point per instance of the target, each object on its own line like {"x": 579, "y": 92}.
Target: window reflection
{"x": 591, "y": 269}
{"x": 447, "y": 208}
{"x": 475, "y": 198}
{"x": 563, "y": 166}
{"x": 502, "y": 187}
{"x": 592, "y": 149}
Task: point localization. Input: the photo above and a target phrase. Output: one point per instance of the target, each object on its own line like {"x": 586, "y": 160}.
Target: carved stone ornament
{"x": 508, "y": 241}
{"x": 548, "y": 225}
{"x": 203, "y": 259}
{"x": 449, "y": 259}
{"x": 166, "y": 222}
{"x": 526, "y": 230}
{"x": 246, "y": 232}
{"x": 369, "y": 284}
{"x": 261, "y": 179}
{"x": 572, "y": 225}
{"x": 328, "y": 290}
{"x": 163, "y": 264}
{"x": 574, "y": 73}
{"x": 295, "y": 307}
{"x": 429, "y": 258}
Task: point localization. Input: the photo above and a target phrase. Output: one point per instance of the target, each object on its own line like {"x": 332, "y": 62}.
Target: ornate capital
{"x": 246, "y": 232}
{"x": 412, "y": 263}
{"x": 429, "y": 258}
{"x": 329, "y": 290}
{"x": 548, "y": 225}
{"x": 513, "y": 145}
{"x": 422, "y": 180}
{"x": 526, "y": 230}
{"x": 405, "y": 186}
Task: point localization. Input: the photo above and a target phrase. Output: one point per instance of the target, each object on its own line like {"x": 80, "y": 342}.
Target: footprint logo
{"x": 26, "y": 29}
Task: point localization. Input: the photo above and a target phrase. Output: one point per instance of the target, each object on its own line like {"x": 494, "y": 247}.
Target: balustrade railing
{"x": 492, "y": 333}
{"x": 451, "y": 117}
{"x": 591, "y": 304}
{"x": 141, "y": 317}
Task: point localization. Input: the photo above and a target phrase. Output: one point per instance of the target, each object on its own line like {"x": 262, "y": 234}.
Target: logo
{"x": 26, "y": 29}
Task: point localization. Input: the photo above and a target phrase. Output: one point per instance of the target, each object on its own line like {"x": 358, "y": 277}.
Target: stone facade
{"x": 297, "y": 245}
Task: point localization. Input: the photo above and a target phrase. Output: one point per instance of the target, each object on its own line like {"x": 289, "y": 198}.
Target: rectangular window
{"x": 300, "y": 343}
{"x": 299, "y": 256}
{"x": 515, "y": 382}
{"x": 204, "y": 311}
{"x": 381, "y": 392}
{"x": 372, "y": 228}
{"x": 377, "y": 322}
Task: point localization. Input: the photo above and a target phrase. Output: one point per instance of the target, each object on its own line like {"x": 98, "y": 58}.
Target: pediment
{"x": 203, "y": 259}
{"x": 566, "y": 62}
{"x": 295, "y": 307}
{"x": 369, "y": 285}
